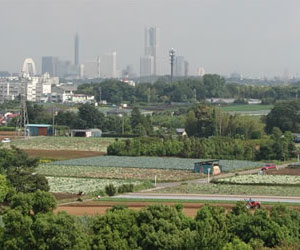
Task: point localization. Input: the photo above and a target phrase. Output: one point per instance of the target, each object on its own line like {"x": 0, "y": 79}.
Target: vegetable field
{"x": 154, "y": 163}
{"x": 87, "y": 185}
{"x": 117, "y": 173}
{"x": 261, "y": 180}
{"x": 231, "y": 189}
{"x": 64, "y": 143}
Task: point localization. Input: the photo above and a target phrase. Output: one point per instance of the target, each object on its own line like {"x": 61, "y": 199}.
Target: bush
{"x": 125, "y": 188}
{"x": 110, "y": 190}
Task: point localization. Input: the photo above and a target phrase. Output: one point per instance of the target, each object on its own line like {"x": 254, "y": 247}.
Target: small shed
{"x": 38, "y": 129}
{"x": 210, "y": 166}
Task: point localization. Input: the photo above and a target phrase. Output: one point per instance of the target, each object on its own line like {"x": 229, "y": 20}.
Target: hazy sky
{"x": 254, "y": 37}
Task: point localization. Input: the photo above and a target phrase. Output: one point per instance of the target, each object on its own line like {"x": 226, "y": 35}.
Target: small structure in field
{"x": 38, "y": 129}
{"x": 86, "y": 132}
{"x": 208, "y": 167}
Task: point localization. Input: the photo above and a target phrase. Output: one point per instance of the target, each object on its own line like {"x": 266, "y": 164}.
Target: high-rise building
{"x": 76, "y": 50}
{"x": 92, "y": 69}
{"x": 152, "y": 45}
{"x": 49, "y": 65}
{"x": 146, "y": 66}
{"x": 186, "y": 68}
{"x": 179, "y": 66}
{"x": 109, "y": 65}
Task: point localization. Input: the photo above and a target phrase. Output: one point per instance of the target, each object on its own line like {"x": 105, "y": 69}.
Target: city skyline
{"x": 223, "y": 37}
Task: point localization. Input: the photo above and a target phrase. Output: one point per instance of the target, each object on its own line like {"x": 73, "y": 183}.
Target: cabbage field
{"x": 261, "y": 179}
{"x": 63, "y": 143}
{"x": 154, "y": 163}
{"x": 162, "y": 175}
{"x": 87, "y": 185}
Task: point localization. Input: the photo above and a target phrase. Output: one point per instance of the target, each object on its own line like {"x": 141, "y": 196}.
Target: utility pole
{"x": 148, "y": 95}
{"x": 23, "y": 117}
{"x": 172, "y": 58}
{"x": 53, "y": 115}
{"x": 100, "y": 93}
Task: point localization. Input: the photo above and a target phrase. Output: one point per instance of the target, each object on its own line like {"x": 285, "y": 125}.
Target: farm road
{"x": 208, "y": 197}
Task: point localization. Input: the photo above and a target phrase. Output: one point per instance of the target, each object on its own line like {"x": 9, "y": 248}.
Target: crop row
{"x": 87, "y": 185}
{"x": 261, "y": 179}
{"x": 154, "y": 163}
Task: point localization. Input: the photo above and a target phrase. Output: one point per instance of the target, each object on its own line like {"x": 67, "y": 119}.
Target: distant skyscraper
{"x": 109, "y": 65}
{"x": 49, "y": 65}
{"x": 179, "y": 66}
{"x": 186, "y": 68}
{"x": 29, "y": 67}
{"x": 76, "y": 50}
{"x": 152, "y": 45}
{"x": 146, "y": 66}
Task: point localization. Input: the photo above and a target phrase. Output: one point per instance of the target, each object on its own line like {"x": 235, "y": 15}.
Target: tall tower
{"x": 76, "y": 50}
{"x": 152, "y": 45}
{"x": 172, "y": 59}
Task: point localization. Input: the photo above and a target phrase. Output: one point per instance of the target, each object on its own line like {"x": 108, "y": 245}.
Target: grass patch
{"x": 246, "y": 107}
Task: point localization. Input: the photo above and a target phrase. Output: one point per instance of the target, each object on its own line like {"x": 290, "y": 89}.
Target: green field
{"x": 63, "y": 143}
{"x": 233, "y": 189}
{"x": 246, "y": 107}
{"x": 154, "y": 163}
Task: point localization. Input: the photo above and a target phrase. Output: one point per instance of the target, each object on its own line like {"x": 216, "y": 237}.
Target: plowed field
{"x": 283, "y": 171}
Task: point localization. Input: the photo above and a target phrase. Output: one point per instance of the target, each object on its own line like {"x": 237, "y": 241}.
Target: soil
{"x": 61, "y": 154}
{"x": 64, "y": 196}
{"x": 283, "y": 171}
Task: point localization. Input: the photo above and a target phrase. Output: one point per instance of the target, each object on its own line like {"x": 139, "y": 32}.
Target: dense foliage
{"x": 19, "y": 171}
{"x": 272, "y": 148}
{"x": 30, "y": 223}
{"x": 285, "y": 116}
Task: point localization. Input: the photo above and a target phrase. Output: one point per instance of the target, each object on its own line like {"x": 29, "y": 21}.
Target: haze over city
{"x": 255, "y": 38}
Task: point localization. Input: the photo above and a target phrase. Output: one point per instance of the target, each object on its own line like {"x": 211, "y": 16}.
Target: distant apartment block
{"x": 109, "y": 65}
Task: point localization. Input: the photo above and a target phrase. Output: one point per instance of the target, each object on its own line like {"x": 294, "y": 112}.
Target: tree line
{"x": 186, "y": 90}
{"x": 278, "y": 146}
{"x": 30, "y": 223}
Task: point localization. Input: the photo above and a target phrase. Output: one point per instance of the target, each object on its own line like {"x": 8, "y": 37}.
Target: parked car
{"x": 269, "y": 166}
{"x": 5, "y": 140}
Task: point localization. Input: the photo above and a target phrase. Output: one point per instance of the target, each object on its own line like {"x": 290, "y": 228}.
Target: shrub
{"x": 110, "y": 190}
{"x": 125, "y": 188}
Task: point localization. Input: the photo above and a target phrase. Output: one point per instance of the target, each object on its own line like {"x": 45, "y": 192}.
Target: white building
{"x": 109, "y": 65}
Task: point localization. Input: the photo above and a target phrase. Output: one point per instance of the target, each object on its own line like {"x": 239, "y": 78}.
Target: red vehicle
{"x": 252, "y": 204}
{"x": 269, "y": 166}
